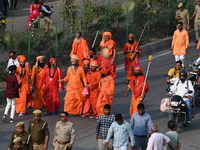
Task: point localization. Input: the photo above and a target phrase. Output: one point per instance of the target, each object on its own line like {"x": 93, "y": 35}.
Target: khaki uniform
{"x": 38, "y": 131}
{"x": 27, "y": 143}
{"x": 197, "y": 21}
{"x": 64, "y": 135}
{"x": 184, "y": 15}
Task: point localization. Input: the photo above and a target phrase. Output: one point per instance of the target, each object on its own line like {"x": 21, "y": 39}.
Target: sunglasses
{"x": 62, "y": 116}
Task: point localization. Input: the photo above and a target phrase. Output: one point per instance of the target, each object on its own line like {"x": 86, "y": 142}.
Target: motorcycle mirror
{"x": 189, "y": 92}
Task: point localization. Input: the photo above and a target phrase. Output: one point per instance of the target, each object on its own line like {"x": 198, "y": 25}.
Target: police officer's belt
{"x": 63, "y": 143}
{"x": 39, "y": 143}
{"x": 141, "y": 136}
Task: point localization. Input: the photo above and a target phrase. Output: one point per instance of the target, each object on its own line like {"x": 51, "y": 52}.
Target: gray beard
{"x": 73, "y": 67}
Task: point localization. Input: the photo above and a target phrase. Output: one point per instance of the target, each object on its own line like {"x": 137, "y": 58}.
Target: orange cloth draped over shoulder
{"x": 25, "y": 89}
{"x": 37, "y": 73}
{"x": 128, "y": 47}
{"x": 74, "y": 96}
{"x": 107, "y": 89}
{"x": 136, "y": 84}
{"x": 110, "y": 44}
{"x": 80, "y": 49}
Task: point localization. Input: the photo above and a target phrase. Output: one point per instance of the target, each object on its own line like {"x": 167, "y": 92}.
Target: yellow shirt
{"x": 173, "y": 73}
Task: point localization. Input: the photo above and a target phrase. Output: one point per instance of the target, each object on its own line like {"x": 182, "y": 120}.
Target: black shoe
{"x": 11, "y": 120}
{"x": 196, "y": 41}
{"x": 4, "y": 117}
{"x": 11, "y": 8}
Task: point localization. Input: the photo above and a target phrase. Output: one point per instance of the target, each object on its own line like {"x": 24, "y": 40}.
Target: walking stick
{"x": 150, "y": 57}
{"x": 139, "y": 41}
{"x": 95, "y": 38}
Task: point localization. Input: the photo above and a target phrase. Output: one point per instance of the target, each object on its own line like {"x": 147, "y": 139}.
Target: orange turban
{"x": 74, "y": 57}
{"x": 139, "y": 69}
{"x": 94, "y": 63}
{"x": 86, "y": 61}
{"x": 108, "y": 34}
{"x": 51, "y": 60}
{"x": 21, "y": 58}
{"x": 131, "y": 35}
{"x": 39, "y": 57}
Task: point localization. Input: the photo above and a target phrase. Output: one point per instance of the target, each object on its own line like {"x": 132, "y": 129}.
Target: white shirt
{"x": 182, "y": 89}
{"x": 157, "y": 141}
{"x": 12, "y": 62}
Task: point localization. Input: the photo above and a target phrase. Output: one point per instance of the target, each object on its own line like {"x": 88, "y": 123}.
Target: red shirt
{"x": 12, "y": 86}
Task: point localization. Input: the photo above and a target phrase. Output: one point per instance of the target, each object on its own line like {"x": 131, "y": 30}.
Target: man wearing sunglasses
{"x": 64, "y": 133}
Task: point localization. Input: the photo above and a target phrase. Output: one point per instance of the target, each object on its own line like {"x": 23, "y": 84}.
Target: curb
{"x": 154, "y": 47}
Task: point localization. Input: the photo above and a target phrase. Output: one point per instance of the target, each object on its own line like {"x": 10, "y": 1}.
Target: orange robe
{"x": 198, "y": 45}
{"x": 23, "y": 91}
{"x": 36, "y": 76}
{"x": 51, "y": 90}
{"x": 107, "y": 89}
{"x": 180, "y": 42}
{"x": 74, "y": 96}
{"x": 136, "y": 84}
{"x": 80, "y": 49}
{"x": 128, "y": 47}
{"x": 93, "y": 78}
{"x": 106, "y": 62}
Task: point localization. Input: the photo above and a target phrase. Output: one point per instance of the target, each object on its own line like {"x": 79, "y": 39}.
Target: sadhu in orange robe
{"x": 136, "y": 84}
{"x": 93, "y": 78}
{"x": 25, "y": 89}
{"x": 110, "y": 44}
{"x": 107, "y": 89}
{"x": 128, "y": 56}
{"x": 74, "y": 96}
{"x": 36, "y": 76}
{"x": 80, "y": 48}
{"x": 50, "y": 79}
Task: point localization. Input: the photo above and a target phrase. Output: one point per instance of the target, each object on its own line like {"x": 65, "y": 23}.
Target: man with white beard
{"x": 76, "y": 81}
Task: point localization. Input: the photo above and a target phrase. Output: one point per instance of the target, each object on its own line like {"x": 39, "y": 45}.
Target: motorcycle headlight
{"x": 175, "y": 104}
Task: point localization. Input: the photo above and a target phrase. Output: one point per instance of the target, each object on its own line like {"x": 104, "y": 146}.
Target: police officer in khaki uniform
{"x": 182, "y": 15}
{"x": 26, "y": 138}
{"x": 196, "y": 20}
{"x": 39, "y": 131}
{"x": 17, "y": 143}
{"x": 64, "y": 133}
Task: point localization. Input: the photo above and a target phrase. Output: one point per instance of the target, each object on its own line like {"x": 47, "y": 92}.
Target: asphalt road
{"x": 85, "y": 127}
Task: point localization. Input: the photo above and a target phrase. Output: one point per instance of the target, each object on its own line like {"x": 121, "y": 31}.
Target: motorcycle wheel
{"x": 197, "y": 99}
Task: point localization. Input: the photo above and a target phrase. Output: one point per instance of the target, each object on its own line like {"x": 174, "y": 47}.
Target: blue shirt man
{"x": 141, "y": 123}
{"x": 121, "y": 130}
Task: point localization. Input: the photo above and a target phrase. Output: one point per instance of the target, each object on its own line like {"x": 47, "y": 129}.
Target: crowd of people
{"x": 90, "y": 87}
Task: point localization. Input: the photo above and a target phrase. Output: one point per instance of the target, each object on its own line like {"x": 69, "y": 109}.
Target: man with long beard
{"x": 80, "y": 48}
{"x": 37, "y": 72}
{"x": 131, "y": 56}
{"x": 76, "y": 81}
{"x": 107, "y": 89}
{"x": 50, "y": 79}
{"x": 108, "y": 52}
{"x": 136, "y": 85}
{"x": 24, "y": 90}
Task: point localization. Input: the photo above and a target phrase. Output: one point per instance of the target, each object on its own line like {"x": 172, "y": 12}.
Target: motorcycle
{"x": 195, "y": 78}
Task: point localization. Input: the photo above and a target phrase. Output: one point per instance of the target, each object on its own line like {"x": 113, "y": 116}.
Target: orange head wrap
{"x": 74, "y": 57}
{"x": 94, "y": 63}
{"x": 21, "y": 58}
{"x": 139, "y": 69}
{"x": 86, "y": 61}
{"x": 108, "y": 34}
{"x": 39, "y": 57}
{"x": 51, "y": 60}
{"x": 131, "y": 35}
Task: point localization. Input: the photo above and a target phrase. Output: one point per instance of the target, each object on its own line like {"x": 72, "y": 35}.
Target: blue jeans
{"x": 140, "y": 142}
{"x": 188, "y": 103}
